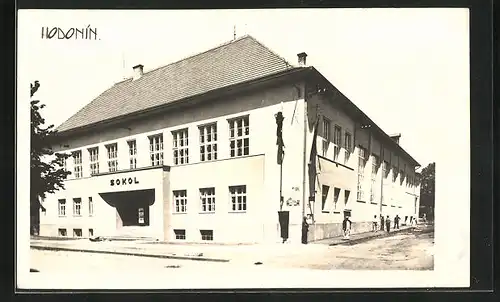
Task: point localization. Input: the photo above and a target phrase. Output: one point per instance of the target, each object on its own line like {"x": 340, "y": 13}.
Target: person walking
{"x": 375, "y": 223}
{"x": 388, "y": 224}
{"x": 382, "y": 223}
{"x": 346, "y": 227}
{"x": 396, "y": 222}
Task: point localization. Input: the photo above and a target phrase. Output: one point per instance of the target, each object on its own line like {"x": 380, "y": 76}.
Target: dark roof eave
{"x": 210, "y": 94}
{"x": 362, "y": 116}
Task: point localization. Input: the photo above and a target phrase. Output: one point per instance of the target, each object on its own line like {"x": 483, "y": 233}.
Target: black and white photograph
{"x": 264, "y": 148}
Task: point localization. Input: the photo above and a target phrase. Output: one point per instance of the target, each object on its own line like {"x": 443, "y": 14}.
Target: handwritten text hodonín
{"x": 85, "y": 33}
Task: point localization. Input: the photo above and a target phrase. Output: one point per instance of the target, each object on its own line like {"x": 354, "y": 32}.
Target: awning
{"x": 121, "y": 197}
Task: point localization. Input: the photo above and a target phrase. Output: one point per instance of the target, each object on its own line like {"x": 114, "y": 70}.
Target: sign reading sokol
{"x": 123, "y": 181}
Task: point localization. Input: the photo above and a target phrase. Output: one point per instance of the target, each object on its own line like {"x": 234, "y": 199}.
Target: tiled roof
{"x": 237, "y": 61}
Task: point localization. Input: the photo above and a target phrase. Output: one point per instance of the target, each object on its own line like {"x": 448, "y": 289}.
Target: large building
{"x": 188, "y": 152}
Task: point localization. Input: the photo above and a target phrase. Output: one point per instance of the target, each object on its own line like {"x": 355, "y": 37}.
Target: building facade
{"x": 188, "y": 152}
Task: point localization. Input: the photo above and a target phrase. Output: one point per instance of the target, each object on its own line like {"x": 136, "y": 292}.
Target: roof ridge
{"x": 196, "y": 54}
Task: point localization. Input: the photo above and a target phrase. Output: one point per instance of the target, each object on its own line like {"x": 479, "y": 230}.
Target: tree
{"x": 47, "y": 167}
{"x": 427, "y": 188}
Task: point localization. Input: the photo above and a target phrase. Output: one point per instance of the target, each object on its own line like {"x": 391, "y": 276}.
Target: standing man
{"x": 346, "y": 227}
{"x": 305, "y": 229}
{"x": 375, "y": 223}
{"x": 396, "y": 222}
{"x": 382, "y": 223}
{"x": 388, "y": 224}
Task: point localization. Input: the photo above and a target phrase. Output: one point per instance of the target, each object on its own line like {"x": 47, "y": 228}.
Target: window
{"x": 91, "y": 232}
{"x": 238, "y": 198}
{"x": 156, "y": 150}
{"x": 324, "y": 197}
{"x": 132, "y": 153}
{"x": 94, "y": 160}
{"x": 326, "y": 136}
{"x": 348, "y": 147}
{"x": 180, "y": 234}
{"x": 91, "y": 207}
{"x": 62, "y": 207}
{"x": 77, "y": 232}
{"x": 77, "y": 162}
{"x": 337, "y": 139}
{"x": 239, "y": 136}
{"x": 361, "y": 172}
{"x": 207, "y": 234}
{"x": 112, "y": 157}
{"x": 386, "y": 169}
{"x": 62, "y": 232}
{"x": 65, "y": 164}
{"x": 77, "y": 206}
{"x": 336, "y": 194}
{"x": 140, "y": 215}
{"x": 207, "y": 199}
{"x": 394, "y": 173}
{"x": 347, "y": 193}
{"x": 180, "y": 147}
{"x": 180, "y": 201}
{"x": 375, "y": 166}
{"x": 208, "y": 142}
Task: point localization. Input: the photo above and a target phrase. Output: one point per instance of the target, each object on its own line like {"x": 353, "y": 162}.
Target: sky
{"x": 405, "y": 68}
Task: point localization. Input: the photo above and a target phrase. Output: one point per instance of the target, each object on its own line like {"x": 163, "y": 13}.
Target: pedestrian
{"x": 396, "y": 222}
{"x": 375, "y": 223}
{"x": 381, "y": 222}
{"x": 346, "y": 227}
{"x": 305, "y": 230}
{"x": 388, "y": 224}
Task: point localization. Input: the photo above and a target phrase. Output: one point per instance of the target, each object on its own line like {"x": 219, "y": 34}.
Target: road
{"x": 399, "y": 252}
{"x": 402, "y": 252}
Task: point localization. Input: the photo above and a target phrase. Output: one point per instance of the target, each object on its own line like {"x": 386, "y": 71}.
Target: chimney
{"x": 396, "y": 137}
{"x": 302, "y": 58}
{"x": 138, "y": 71}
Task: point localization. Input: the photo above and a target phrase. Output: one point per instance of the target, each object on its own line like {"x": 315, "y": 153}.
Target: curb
{"x": 361, "y": 240}
{"x": 50, "y": 248}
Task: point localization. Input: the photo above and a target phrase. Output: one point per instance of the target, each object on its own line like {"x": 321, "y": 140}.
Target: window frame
{"x": 208, "y": 140}
{"x": 337, "y": 142}
{"x": 209, "y": 234}
{"x": 61, "y": 207}
{"x": 78, "y": 163}
{"x": 234, "y": 193}
{"x": 347, "y": 146}
{"x": 94, "y": 160}
{"x": 156, "y": 156}
{"x": 180, "y": 201}
{"x": 180, "y": 144}
{"x": 235, "y": 138}
{"x": 132, "y": 153}
{"x": 91, "y": 207}
{"x": 326, "y": 127}
{"x": 112, "y": 150}
{"x": 207, "y": 201}
{"x": 77, "y": 207}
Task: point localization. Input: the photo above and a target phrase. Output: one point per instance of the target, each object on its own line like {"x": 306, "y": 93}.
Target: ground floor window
{"x": 77, "y": 232}
{"x": 91, "y": 232}
{"x": 180, "y": 234}
{"x": 238, "y": 196}
{"x": 207, "y": 234}
{"x": 62, "y": 232}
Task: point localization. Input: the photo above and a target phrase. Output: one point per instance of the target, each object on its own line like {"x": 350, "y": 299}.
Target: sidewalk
{"x": 199, "y": 252}
{"x": 361, "y": 237}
